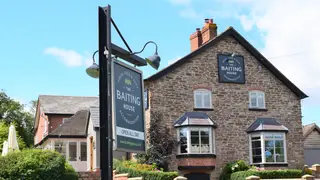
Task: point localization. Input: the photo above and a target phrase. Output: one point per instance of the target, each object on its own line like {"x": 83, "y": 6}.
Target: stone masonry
{"x": 172, "y": 94}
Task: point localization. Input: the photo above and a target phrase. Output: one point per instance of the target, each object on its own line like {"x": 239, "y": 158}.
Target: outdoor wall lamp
{"x": 153, "y": 61}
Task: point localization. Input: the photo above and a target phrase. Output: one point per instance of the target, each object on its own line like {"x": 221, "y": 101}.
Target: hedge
{"x": 147, "y": 175}
{"x": 35, "y": 164}
{"x": 268, "y": 174}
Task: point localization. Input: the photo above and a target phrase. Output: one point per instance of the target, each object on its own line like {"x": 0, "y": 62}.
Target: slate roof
{"x": 76, "y": 125}
{"x": 232, "y": 32}
{"x": 51, "y": 104}
{"x": 307, "y": 129}
{"x": 194, "y": 118}
{"x": 94, "y": 116}
{"x": 266, "y": 124}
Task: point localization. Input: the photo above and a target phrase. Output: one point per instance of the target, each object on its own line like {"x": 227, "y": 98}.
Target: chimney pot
{"x": 198, "y": 29}
{"x": 206, "y": 20}
{"x": 210, "y": 21}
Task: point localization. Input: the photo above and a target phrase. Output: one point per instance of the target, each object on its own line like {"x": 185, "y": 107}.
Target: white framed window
{"x": 196, "y": 140}
{"x": 202, "y": 98}
{"x": 257, "y": 99}
{"x": 64, "y": 120}
{"x": 268, "y": 148}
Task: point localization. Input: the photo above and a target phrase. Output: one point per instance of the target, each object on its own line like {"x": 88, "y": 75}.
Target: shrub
{"x": 33, "y": 164}
{"x": 268, "y": 174}
{"x": 232, "y": 167}
{"x": 148, "y": 172}
{"x": 70, "y": 173}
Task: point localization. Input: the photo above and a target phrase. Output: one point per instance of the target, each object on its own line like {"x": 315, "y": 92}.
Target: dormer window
{"x": 202, "y": 99}
{"x": 257, "y": 100}
{"x": 195, "y": 133}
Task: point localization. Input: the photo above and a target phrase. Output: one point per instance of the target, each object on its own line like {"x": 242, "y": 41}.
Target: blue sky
{"x": 46, "y": 45}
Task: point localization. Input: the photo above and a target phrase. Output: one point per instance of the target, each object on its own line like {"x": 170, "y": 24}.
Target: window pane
{"x": 195, "y": 145}
{"x": 206, "y": 100}
{"x": 256, "y": 151}
{"x": 60, "y": 147}
{"x": 255, "y": 138}
{"x": 279, "y": 143}
{"x": 278, "y": 136}
{"x": 83, "y": 151}
{"x": 183, "y": 141}
{"x": 72, "y": 151}
{"x": 256, "y": 159}
{"x": 256, "y": 144}
{"x": 253, "y": 100}
{"x": 260, "y": 101}
{"x": 198, "y": 100}
{"x": 269, "y": 150}
{"x": 205, "y": 146}
{"x": 280, "y": 158}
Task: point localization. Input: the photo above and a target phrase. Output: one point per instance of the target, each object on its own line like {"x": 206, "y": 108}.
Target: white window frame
{"x": 263, "y": 154}
{"x": 45, "y": 132}
{"x": 257, "y": 92}
{"x": 189, "y": 129}
{"x": 202, "y": 92}
{"x": 64, "y": 120}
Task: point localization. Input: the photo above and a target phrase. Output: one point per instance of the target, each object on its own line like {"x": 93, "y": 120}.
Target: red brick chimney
{"x": 200, "y": 37}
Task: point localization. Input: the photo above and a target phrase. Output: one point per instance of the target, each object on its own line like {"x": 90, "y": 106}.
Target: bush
{"x": 70, "y": 173}
{"x": 232, "y": 167}
{"x": 33, "y": 164}
{"x": 148, "y": 172}
{"x": 268, "y": 174}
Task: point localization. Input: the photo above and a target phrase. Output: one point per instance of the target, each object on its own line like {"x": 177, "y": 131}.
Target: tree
{"x": 33, "y": 107}
{"x": 12, "y": 111}
{"x": 161, "y": 143}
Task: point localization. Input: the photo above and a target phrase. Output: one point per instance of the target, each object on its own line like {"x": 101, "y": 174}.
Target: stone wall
{"x": 172, "y": 95}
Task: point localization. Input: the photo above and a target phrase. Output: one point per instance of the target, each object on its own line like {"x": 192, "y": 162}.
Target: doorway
{"x": 197, "y": 176}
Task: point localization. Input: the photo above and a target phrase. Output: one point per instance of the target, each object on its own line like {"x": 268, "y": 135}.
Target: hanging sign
{"x": 231, "y": 69}
{"x": 128, "y": 108}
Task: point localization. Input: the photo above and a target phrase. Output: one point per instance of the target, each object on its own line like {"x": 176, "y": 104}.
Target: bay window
{"x": 268, "y": 147}
{"x": 196, "y": 140}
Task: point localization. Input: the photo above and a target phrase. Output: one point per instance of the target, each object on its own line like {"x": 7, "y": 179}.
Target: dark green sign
{"x": 128, "y": 108}
{"x": 231, "y": 69}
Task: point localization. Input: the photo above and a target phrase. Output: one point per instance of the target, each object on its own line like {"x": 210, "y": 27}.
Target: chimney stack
{"x": 200, "y": 37}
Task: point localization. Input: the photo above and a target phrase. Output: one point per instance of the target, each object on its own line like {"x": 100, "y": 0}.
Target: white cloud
{"x": 180, "y": 2}
{"x": 173, "y": 60}
{"x": 246, "y": 22}
{"x": 68, "y": 57}
{"x": 289, "y": 28}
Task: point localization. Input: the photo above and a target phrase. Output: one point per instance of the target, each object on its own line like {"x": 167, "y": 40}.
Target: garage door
{"x": 197, "y": 176}
{"x": 312, "y": 156}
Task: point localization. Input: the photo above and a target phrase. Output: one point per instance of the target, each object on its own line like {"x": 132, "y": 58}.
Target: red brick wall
{"x": 40, "y": 129}
{"x": 56, "y": 120}
{"x": 196, "y": 161}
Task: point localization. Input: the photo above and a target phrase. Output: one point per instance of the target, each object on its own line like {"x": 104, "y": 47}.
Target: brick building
{"x": 225, "y": 101}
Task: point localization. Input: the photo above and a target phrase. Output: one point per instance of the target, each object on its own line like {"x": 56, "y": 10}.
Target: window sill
{"x": 270, "y": 164}
{"x": 203, "y": 109}
{"x": 258, "y": 109}
{"x": 209, "y": 155}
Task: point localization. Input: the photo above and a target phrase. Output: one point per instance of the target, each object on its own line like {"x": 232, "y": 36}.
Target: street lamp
{"x": 103, "y": 72}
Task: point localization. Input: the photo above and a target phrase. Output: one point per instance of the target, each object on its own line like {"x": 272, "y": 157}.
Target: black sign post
{"x": 128, "y": 108}
{"x": 231, "y": 69}
{"x": 122, "y": 84}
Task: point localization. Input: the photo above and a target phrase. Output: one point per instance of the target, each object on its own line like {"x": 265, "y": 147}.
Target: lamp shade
{"x": 154, "y": 61}
{"x": 93, "y": 70}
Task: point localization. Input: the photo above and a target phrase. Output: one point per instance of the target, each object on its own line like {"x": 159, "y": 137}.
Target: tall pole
{"x": 109, "y": 107}
{"x": 105, "y": 121}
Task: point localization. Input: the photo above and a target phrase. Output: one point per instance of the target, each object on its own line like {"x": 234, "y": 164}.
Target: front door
{"x": 197, "y": 176}
{"x": 78, "y": 155}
